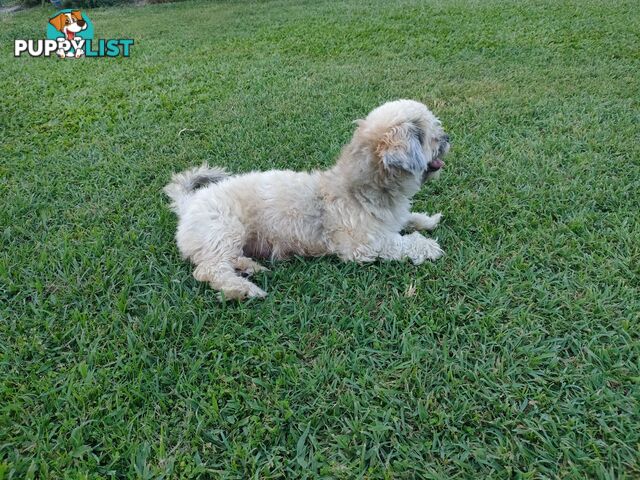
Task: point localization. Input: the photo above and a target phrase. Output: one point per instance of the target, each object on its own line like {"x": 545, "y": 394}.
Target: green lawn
{"x": 517, "y": 355}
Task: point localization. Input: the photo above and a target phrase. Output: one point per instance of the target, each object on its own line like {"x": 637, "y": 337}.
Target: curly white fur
{"x": 355, "y": 210}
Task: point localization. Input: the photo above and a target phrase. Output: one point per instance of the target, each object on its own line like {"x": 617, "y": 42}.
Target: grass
{"x": 515, "y": 356}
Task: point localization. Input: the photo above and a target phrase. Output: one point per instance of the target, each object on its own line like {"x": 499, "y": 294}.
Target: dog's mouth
{"x": 70, "y": 35}
{"x": 435, "y": 165}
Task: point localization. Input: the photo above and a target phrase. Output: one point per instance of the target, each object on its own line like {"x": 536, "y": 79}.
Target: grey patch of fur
{"x": 185, "y": 183}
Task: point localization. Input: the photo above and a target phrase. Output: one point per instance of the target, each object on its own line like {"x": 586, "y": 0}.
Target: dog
{"x": 69, "y": 24}
{"x": 356, "y": 209}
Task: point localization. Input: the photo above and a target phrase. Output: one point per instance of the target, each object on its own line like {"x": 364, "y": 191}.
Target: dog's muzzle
{"x": 437, "y": 163}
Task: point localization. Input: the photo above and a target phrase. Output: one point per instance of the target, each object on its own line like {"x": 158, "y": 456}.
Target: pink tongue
{"x": 436, "y": 164}
{"x": 70, "y": 35}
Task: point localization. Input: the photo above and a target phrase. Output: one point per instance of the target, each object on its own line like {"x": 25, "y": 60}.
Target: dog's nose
{"x": 445, "y": 138}
{"x": 81, "y": 23}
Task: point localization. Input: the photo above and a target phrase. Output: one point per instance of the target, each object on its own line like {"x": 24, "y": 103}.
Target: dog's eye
{"x": 66, "y": 21}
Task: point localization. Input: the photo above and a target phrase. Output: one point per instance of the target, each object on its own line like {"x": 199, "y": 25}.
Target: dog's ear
{"x": 58, "y": 21}
{"x": 401, "y": 147}
{"x": 77, "y": 14}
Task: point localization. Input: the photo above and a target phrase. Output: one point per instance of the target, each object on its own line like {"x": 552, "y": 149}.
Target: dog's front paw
{"x": 424, "y": 249}
{"x": 241, "y": 292}
{"x": 431, "y": 222}
{"x": 422, "y": 221}
{"x": 79, "y": 53}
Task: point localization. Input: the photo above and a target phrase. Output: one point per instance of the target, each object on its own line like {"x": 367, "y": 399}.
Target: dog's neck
{"x": 381, "y": 194}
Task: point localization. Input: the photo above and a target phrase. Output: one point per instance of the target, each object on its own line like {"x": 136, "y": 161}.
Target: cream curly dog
{"x": 355, "y": 210}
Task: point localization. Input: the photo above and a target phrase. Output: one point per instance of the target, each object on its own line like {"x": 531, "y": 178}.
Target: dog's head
{"x": 405, "y": 140}
{"x": 69, "y": 23}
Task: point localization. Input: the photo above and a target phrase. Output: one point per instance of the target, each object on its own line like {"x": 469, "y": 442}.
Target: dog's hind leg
{"x": 222, "y": 276}
{"x": 248, "y": 266}
{"x": 214, "y": 242}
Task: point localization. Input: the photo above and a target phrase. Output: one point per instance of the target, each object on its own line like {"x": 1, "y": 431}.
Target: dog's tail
{"x": 183, "y": 184}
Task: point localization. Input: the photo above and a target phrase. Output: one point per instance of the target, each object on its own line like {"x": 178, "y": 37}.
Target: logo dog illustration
{"x": 69, "y": 24}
